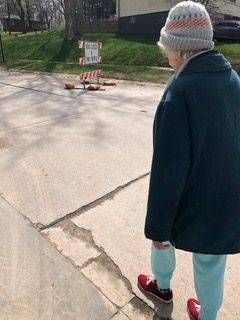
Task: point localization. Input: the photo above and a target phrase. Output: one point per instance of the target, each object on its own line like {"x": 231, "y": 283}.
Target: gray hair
{"x": 185, "y": 54}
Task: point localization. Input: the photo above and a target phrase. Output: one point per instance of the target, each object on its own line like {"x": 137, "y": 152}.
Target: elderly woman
{"x": 194, "y": 191}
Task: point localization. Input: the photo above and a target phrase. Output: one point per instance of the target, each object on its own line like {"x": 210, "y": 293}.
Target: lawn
{"x": 135, "y": 73}
{"x": 130, "y": 57}
{"x": 52, "y": 46}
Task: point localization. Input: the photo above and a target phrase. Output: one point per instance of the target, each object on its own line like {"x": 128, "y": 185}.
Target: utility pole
{"x": 2, "y": 52}
{"x": 118, "y": 15}
{"x": 118, "y": 9}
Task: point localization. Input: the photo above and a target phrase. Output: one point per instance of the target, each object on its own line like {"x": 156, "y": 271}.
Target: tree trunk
{"x": 70, "y": 19}
{"x": 29, "y": 15}
{"x": 8, "y": 17}
{"x": 79, "y": 15}
{"x": 73, "y": 17}
{"x": 207, "y": 2}
{"x": 22, "y": 16}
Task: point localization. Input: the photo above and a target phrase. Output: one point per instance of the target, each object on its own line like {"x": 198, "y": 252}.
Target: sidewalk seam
{"x": 35, "y": 226}
{"x": 119, "y": 311}
{"x": 108, "y": 196}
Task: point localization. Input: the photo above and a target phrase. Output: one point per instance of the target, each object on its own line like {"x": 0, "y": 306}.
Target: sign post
{"x": 1, "y": 46}
{"x": 92, "y": 57}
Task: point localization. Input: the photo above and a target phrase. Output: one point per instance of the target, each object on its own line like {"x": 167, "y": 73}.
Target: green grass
{"x": 52, "y": 46}
{"x": 136, "y": 73}
{"x": 127, "y": 57}
{"x": 230, "y": 50}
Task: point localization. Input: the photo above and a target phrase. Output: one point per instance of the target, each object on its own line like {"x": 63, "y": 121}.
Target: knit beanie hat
{"x": 188, "y": 28}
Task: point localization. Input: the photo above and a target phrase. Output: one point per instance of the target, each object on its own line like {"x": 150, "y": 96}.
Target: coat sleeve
{"x": 169, "y": 171}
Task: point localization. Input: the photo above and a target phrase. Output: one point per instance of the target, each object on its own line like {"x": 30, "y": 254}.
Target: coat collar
{"x": 185, "y": 64}
{"x": 207, "y": 61}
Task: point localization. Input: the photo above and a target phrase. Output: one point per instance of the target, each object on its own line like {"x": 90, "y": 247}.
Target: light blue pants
{"x": 208, "y": 277}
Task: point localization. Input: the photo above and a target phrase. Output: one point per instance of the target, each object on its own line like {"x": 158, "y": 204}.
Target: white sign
{"x": 91, "y": 52}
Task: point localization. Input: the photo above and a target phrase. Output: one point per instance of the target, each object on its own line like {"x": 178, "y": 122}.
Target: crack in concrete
{"x": 119, "y": 313}
{"x": 109, "y": 196}
{"x": 112, "y": 317}
{"x": 36, "y": 90}
{"x": 103, "y": 259}
{"x": 73, "y": 263}
{"x": 107, "y": 263}
{"x": 39, "y": 226}
{"x": 84, "y": 235}
{"x": 78, "y": 233}
{"x": 140, "y": 305}
{"x": 45, "y": 236}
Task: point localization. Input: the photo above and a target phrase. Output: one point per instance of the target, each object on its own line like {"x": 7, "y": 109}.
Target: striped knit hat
{"x": 188, "y": 28}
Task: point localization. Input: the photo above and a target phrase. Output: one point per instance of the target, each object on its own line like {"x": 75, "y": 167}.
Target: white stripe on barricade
{"x": 82, "y": 61}
{"x": 81, "y": 44}
{"x": 89, "y": 75}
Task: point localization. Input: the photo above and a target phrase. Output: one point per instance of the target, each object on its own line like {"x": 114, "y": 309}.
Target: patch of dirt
{"x": 4, "y": 143}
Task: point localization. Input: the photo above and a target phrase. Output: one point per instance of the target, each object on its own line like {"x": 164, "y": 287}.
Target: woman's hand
{"x": 160, "y": 245}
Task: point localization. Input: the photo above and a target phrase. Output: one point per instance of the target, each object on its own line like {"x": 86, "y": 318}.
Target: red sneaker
{"x": 193, "y": 309}
{"x": 149, "y": 286}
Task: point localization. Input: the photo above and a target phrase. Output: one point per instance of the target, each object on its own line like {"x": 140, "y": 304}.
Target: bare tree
{"x": 44, "y": 10}
{"x": 70, "y": 18}
{"x": 30, "y": 11}
{"x": 59, "y": 6}
{"x": 2, "y": 8}
{"x": 7, "y": 8}
{"x": 205, "y": 2}
{"x": 72, "y": 10}
{"x": 213, "y": 6}
{"x": 75, "y": 13}
{"x": 99, "y": 10}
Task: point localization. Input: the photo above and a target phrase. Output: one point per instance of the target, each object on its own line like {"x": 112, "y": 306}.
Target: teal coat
{"x": 194, "y": 191}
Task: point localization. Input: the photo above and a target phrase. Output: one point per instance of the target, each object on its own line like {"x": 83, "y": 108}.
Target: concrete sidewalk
{"x": 36, "y": 282}
{"x": 74, "y": 179}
